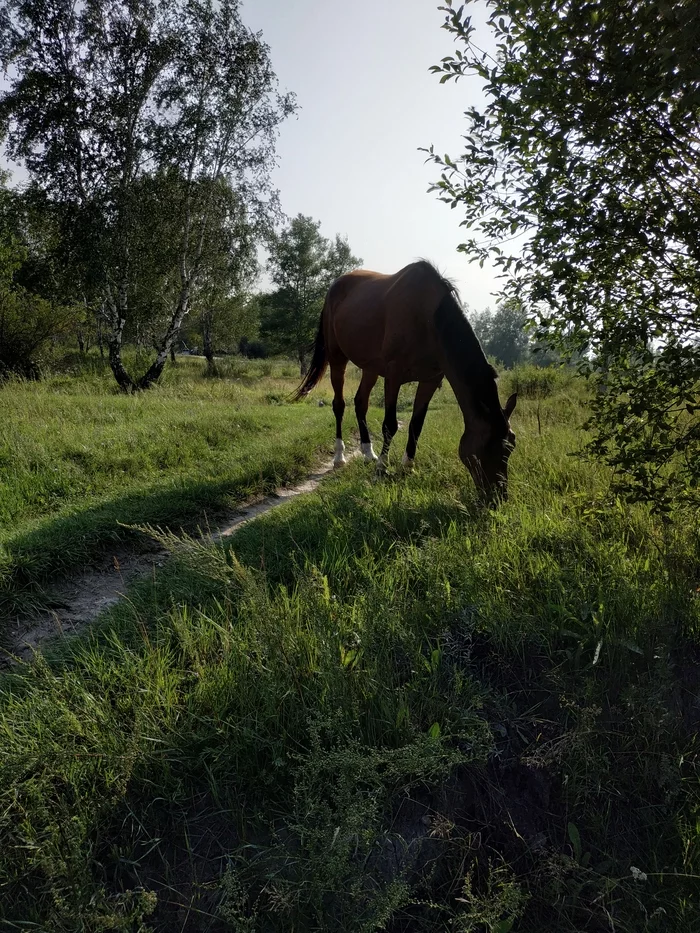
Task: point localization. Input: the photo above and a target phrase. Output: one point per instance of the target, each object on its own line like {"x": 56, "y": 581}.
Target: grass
{"x": 79, "y": 461}
{"x": 378, "y": 707}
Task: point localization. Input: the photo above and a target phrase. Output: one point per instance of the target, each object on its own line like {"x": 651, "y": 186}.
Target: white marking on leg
{"x": 367, "y": 451}
{"x": 339, "y": 458}
{"x": 407, "y": 463}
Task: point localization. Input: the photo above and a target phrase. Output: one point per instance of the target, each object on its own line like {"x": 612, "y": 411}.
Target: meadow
{"x": 80, "y": 462}
{"x": 378, "y": 707}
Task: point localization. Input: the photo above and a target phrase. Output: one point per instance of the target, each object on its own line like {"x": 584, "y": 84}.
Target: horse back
{"x": 374, "y": 319}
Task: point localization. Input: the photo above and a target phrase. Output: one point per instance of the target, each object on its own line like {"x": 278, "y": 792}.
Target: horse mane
{"x": 444, "y": 280}
{"x": 463, "y": 348}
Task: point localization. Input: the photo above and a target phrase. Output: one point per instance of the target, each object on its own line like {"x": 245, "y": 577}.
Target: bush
{"x": 257, "y": 351}
{"x": 27, "y": 322}
{"x": 27, "y": 325}
{"x": 531, "y": 381}
{"x": 253, "y": 350}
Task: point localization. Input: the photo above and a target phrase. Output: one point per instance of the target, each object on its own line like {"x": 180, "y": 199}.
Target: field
{"x": 377, "y": 707}
{"x": 78, "y": 461}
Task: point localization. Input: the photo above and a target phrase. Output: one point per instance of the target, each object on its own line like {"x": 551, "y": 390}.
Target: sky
{"x": 368, "y": 102}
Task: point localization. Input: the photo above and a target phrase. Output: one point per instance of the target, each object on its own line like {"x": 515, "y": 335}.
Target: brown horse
{"x": 410, "y": 327}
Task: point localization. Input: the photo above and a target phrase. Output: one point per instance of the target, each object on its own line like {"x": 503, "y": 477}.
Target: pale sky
{"x": 367, "y": 103}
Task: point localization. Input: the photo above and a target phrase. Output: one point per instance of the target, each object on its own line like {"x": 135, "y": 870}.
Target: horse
{"x": 410, "y": 327}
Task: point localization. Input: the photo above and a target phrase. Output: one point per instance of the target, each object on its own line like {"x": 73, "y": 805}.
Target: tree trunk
{"x": 154, "y": 371}
{"x": 100, "y": 342}
{"x": 81, "y": 342}
{"x": 117, "y": 314}
{"x": 172, "y": 353}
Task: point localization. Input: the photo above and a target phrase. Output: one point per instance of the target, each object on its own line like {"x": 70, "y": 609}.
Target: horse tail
{"x": 319, "y": 362}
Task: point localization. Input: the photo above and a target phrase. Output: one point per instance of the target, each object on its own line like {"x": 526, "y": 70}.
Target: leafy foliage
{"x": 587, "y": 156}
{"x": 127, "y": 115}
{"x": 27, "y": 321}
{"x": 302, "y": 264}
{"x": 502, "y": 333}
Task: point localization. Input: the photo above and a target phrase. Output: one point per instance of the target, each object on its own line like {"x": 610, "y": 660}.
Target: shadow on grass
{"x": 82, "y": 538}
{"x": 340, "y": 527}
{"x": 525, "y": 801}
{"x": 340, "y": 531}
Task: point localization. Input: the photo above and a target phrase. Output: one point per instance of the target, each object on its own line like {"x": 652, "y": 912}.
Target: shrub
{"x": 531, "y": 381}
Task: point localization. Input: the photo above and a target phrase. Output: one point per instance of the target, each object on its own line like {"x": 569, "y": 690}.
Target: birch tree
{"x": 105, "y": 94}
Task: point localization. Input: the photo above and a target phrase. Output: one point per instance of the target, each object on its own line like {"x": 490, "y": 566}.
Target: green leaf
{"x": 575, "y": 840}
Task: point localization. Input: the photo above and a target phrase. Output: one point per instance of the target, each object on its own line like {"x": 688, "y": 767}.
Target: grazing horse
{"x": 410, "y": 327}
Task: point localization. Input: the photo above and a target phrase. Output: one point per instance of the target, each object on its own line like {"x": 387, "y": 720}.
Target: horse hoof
{"x": 339, "y": 458}
{"x": 368, "y": 453}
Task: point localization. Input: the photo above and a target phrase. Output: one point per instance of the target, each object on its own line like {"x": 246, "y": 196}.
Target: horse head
{"x": 486, "y": 455}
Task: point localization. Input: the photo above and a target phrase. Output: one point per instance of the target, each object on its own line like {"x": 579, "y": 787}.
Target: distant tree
{"x": 503, "y": 333}
{"x": 339, "y": 258}
{"x": 302, "y": 265}
{"x": 103, "y": 96}
{"x": 28, "y": 322}
{"x": 587, "y": 154}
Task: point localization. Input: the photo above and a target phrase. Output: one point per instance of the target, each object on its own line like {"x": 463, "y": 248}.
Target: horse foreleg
{"x": 367, "y": 383}
{"x": 424, "y": 394}
{"x": 390, "y": 425}
{"x": 337, "y": 381}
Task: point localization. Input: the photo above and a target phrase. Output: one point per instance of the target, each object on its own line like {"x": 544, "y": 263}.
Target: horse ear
{"x": 510, "y": 405}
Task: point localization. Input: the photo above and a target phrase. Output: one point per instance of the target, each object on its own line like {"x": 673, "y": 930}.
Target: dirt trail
{"x": 79, "y": 600}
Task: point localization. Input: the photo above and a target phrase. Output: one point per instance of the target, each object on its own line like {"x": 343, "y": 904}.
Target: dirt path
{"x": 79, "y": 600}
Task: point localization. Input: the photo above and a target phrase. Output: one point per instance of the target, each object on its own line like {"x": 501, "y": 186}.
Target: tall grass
{"x": 79, "y": 461}
{"x": 377, "y": 707}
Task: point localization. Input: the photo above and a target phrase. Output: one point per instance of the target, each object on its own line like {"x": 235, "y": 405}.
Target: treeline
{"x": 507, "y": 337}
{"x": 46, "y": 307}
{"x": 46, "y": 302}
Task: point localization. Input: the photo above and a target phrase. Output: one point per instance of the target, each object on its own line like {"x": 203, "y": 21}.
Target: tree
{"x": 339, "y": 259}
{"x": 104, "y": 96}
{"x": 27, "y": 321}
{"x": 227, "y": 264}
{"x": 503, "y": 333}
{"x": 588, "y": 150}
{"x": 302, "y": 265}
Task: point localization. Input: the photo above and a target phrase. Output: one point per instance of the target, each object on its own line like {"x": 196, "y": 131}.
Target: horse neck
{"x": 479, "y": 422}
{"x": 467, "y": 370}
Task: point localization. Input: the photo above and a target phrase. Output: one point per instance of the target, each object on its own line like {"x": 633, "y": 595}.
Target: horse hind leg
{"x": 424, "y": 394}
{"x": 338, "y": 381}
{"x": 367, "y": 383}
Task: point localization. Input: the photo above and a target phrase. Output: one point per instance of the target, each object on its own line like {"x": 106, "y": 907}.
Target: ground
{"x": 378, "y": 706}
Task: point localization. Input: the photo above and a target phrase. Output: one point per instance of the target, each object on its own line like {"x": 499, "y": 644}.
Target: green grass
{"x": 378, "y": 707}
{"x": 78, "y": 460}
